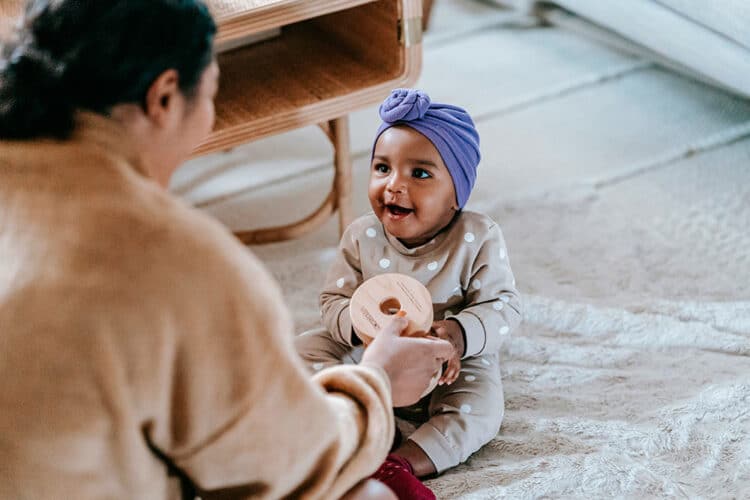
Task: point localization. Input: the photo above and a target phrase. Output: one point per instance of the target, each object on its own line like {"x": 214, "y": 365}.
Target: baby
{"x": 423, "y": 168}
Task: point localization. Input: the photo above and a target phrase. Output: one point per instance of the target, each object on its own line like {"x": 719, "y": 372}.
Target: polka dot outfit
{"x": 467, "y": 271}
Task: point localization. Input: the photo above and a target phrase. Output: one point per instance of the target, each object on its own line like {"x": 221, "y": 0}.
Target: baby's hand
{"x": 450, "y": 330}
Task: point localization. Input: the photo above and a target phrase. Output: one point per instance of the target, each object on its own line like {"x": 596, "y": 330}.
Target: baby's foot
{"x": 396, "y": 472}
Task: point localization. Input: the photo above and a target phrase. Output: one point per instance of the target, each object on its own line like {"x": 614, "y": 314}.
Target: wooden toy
{"x": 379, "y": 298}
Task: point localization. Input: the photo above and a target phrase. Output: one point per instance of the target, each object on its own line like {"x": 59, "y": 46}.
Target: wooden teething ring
{"x": 379, "y": 298}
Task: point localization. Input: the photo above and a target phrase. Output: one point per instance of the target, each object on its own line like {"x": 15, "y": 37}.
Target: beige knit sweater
{"x": 136, "y": 332}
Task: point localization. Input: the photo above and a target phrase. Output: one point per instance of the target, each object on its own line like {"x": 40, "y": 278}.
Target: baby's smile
{"x": 397, "y": 212}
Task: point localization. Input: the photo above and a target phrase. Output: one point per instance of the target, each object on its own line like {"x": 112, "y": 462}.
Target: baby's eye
{"x": 420, "y": 173}
{"x": 382, "y": 168}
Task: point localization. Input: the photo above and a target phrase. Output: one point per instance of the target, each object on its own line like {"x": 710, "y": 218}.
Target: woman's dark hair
{"x": 70, "y": 55}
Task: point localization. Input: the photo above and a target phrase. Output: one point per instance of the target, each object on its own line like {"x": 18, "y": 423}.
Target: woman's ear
{"x": 162, "y": 97}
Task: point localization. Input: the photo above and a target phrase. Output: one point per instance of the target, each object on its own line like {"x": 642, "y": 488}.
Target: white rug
{"x": 630, "y": 376}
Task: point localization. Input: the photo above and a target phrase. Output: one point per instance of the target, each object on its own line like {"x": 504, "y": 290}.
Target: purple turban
{"x": 450, "y": 129}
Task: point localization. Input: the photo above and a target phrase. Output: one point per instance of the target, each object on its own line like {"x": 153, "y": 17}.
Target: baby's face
{"x": 411, "y": 190}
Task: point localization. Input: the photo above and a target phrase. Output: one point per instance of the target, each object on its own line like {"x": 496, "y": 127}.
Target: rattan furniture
{"x": 329, "y": 58}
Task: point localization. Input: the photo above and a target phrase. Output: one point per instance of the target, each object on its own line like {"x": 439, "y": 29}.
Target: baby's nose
{"x": 396, "y": 183}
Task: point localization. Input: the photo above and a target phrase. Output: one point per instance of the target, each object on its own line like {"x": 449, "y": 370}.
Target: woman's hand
{"x": 410, "y": 362}
{"x": 450, "y": 330}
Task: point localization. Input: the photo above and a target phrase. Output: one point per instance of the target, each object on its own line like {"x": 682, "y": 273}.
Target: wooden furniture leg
{"x": 343, "y": 170}
{"x": 426, "y": 10}
{"x": 339, "y": 198}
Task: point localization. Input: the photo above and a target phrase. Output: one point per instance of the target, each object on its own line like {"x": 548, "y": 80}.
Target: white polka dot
{"x": 340, "y": 282}
{"x": 502, "y": 254}
{"x": 448, "y": 313}
{"x": 371, "y": 233}
{"x": 469, "y": 237}
{"x": 385, "y": 263}
{"x": 485, "y": 362}
{"x": 498, "y": 306}
{"x": 505, "y": 299}
{"x": 470, "y": 378}
{"x": 432, "y": 265}
{"x": 465, "y": 408}
{"x": 317, "y": 366}
{"x": 504, "y": 330}
{"x": 477, "y": 284}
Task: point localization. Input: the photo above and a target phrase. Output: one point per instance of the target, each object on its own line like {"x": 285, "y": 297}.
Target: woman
{"x": 138, "y": 340}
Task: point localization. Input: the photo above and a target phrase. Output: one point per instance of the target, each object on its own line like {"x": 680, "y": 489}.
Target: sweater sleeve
{"x": 247, "y": 420}
{"x": 493, "y": 305}
{"x": 343, "y": 278}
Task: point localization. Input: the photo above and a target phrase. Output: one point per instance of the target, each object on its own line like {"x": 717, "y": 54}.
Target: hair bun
{"x": 34, "y": 68}
{"x": 404, "y": 105}
{"x": 31, "y": 94}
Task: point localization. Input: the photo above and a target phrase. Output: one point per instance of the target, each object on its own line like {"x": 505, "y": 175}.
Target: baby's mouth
{"x": 397, "y": 211}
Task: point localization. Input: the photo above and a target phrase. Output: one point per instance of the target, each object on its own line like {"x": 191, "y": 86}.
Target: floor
{"x": 623, "y": 191}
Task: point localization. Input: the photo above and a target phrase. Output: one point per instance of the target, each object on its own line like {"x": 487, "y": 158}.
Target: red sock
{"x": 396, "y": 473}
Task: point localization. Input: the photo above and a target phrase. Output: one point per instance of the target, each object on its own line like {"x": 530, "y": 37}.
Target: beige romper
{"x": 467, "y": 272}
